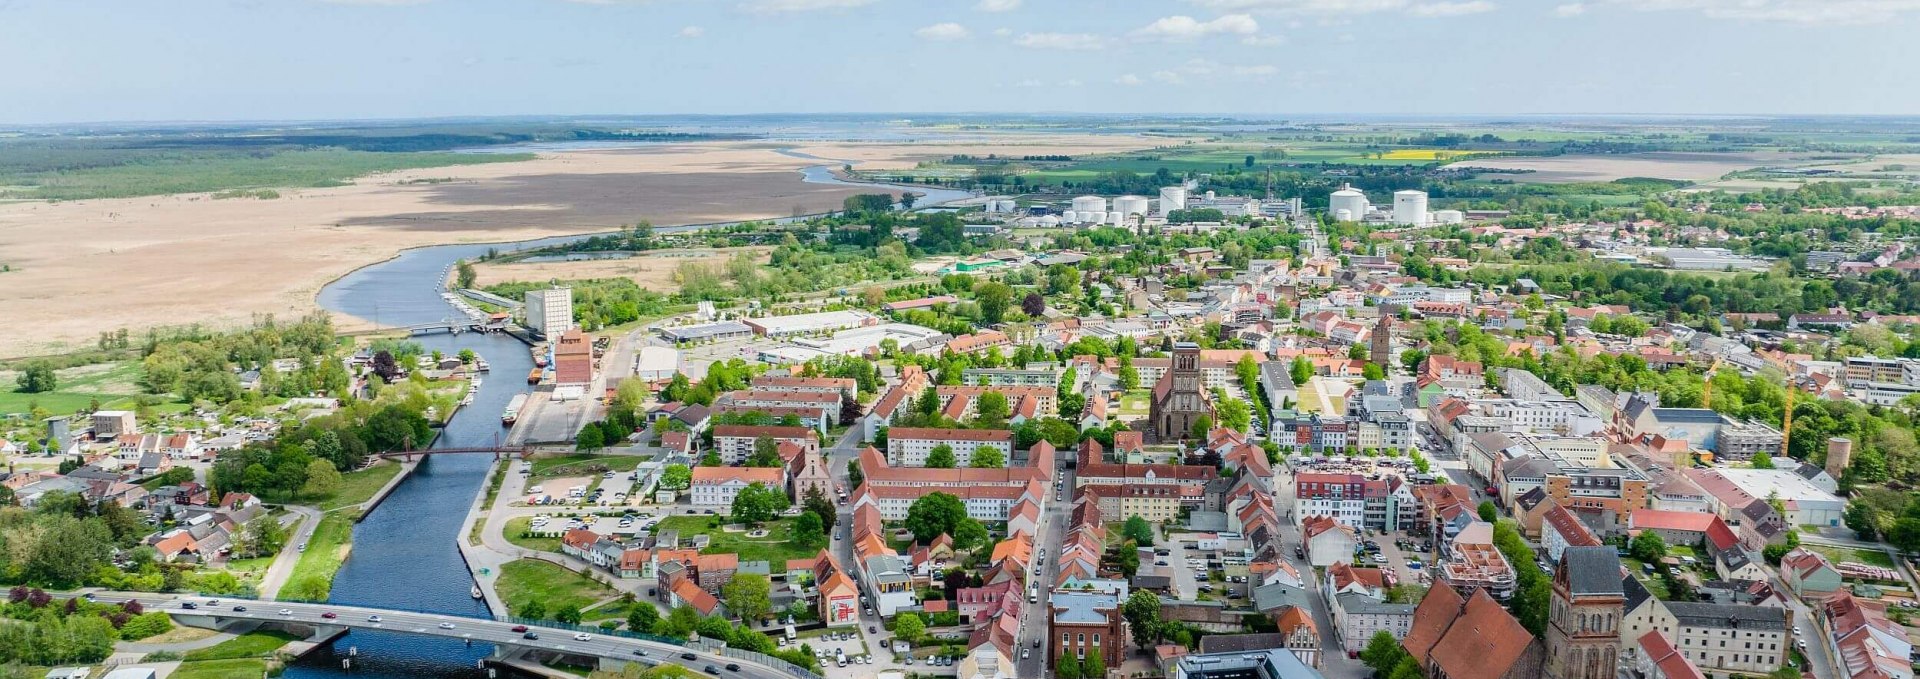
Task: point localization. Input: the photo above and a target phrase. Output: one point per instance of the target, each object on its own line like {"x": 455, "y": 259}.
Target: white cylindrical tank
{"x": 1086, "y": 204}
{"x": 1028, "y": 222}
{"x": 1449, "y": 217}
{"x": 1116, "y": 218}
{"x": 1410, "y": 208}
{"x": 1133, "y": 205}
{"x": 1209, "y": 195}
{"x": 1049, "y": 221}
{"x": 1172, "y": 198}
{"x": 1348, "y": 201}
{"x": 1070, "y": 217}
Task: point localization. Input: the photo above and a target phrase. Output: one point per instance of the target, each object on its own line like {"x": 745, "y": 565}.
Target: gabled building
{"x": 1471, "y": 638}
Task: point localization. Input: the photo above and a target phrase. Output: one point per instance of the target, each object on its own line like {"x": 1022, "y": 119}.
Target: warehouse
{"x": 708, "y": 332}
{"x": 800, "y": 324}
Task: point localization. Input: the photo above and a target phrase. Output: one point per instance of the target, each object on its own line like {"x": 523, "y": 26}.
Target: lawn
{"x": 579, "y": 464}
{"x": 554, "y": 586}
{"x": 1871, "y": 557}
{"x": 360, "y": 485}
{"x": 518, "y": 525}
{"x": 239, "y": 668}
{"x": 249, "y": 645}
{"x": 775, "y": 548}
{"x": 328, "y": 548}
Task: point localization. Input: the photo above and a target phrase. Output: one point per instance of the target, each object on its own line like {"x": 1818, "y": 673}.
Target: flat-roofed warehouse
{"x": 798, "y": 324}
{"x": 708, "y": 332}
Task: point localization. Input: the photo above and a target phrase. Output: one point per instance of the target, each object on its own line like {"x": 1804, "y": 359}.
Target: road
{"x": 1034, "y": 616}
{"x": 455, "y": 627}
{"x": 282, "y": 568}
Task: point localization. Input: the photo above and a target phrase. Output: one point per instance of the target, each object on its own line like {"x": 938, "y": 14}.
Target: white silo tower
{"x": 1069, "y": 217}
{"x": 1049, "y": 221}
{"x": 1172, "y": 198}
{"x": 1085, "y": 204}
{"x": 1449, "y": 217}
{"x": 1116, "y": 218}
{"x": 1347, "y": 201}
{"x": 1133, "y": 205}
{"x": 1410, "y": 208}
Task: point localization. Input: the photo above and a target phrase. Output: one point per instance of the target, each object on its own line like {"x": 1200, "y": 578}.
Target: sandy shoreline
{"x": 83, "y": 267}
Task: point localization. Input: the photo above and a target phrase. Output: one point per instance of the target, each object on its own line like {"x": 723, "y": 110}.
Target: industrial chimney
{"x": 1839, "y": 453}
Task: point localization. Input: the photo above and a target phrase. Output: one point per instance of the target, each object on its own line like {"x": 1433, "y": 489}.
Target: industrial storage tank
{"x": 1410, "y": 207}
{"x": 1133, "y": 205}
{"x": 1347, "y": 204}
{"x": 1085, "y": 204}
{"x": 1116, "y": 218}
{"x": 1172, "y": 198}
{"x": 1070, "y": 217}
{"x": 1449, "y": 217}
{"x": 1049, "y": 221}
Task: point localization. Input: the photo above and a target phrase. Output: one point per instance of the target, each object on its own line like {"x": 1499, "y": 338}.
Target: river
{"x": 404, "y": 554}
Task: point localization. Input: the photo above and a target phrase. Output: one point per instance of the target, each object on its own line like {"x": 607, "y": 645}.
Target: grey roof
{"x": 1689, "y": 415}
{"x": 1727, "y": 616}
{"x": 1276, "y": 663}
{"x": 1636, "y": 593}
{"x": 1356, "y": 603}
{"x": 1238, "y": 643}
{"x": 1082, "y": 608}
{"x": 1280, "y": 595}
{"x": 1591, "y": 570}
{"x": 1207, "y": 522}
{"x": 1533, "y": 497}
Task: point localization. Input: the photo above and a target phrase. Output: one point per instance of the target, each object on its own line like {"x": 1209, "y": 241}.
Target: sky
{"x": 72, "y": 61}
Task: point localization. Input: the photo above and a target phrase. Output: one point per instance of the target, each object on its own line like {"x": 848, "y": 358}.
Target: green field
{"x": 359, "y": 486}
{"x": 580, "y": 464}
{"x": 249, "y": 645}
{"x": 313, "y": 576}
{"x": 238, "y": 668}
{"x": 775, "y": 548}
{"x": 113, "y": 384}
{"x": 123, "y": 173}
{"x": 554, "y": 586}
{"x": 518, "y": 525}
{"x": 1871, "y": 557}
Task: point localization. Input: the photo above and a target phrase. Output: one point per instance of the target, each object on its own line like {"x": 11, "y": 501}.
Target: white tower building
{"x": 1410, "y": 208}
{"x": 1348, "y": 201}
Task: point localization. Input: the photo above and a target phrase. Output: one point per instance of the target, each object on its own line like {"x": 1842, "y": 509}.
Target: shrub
{"x": 146, "y": 625}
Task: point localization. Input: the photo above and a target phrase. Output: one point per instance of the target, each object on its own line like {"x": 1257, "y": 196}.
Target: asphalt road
{"x": 455, "y": 627}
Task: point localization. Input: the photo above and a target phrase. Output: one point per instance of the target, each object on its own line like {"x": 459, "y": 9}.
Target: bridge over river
{"x": 510, "y": 639}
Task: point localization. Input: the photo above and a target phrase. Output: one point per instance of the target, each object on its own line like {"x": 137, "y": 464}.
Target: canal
{"x": 404, "y": 553}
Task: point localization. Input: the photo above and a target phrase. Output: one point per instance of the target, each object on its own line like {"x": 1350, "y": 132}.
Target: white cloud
{"x": 1263, "y": 40}
{"x": 692, "y": 32}
{"x": 1205, "y": 69}
{"x": 789, "y": 6}
{"x": 1451, "y": 9}
{"x": 1030, "y": 82}
{"x": 1128, "y": 80}
{"x": 1071, "y": 82}
{"x": 1793, "y": 11}
{"x": 943, "y": 32}
{"x": 1168, "y": 77}
{"x": 1060, "y": 41}
{"x": 1571, "y": 9}
{"x": 393, "y": 3}
{"x": 1256, "y": 72}
{"x": 1181, "y": 27}
{"x": 997, "y": 5}
{"x": 1353, "y": 7}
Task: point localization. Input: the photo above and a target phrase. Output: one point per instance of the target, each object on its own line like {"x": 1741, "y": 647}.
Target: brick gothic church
{"x": 1583, "y": 622}
{"x": 1180, "y": 397}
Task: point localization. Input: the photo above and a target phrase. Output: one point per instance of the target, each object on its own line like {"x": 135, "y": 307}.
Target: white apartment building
{"x": 717, "y": 486}
{"x": 550, "y": 311}
{"x": 1718, "y": 638}
{"x": 909, "y": 447}
{"x": 1563, "y": 416}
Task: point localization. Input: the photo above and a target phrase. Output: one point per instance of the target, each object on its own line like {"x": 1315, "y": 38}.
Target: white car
{"x": 583, "y": 636}
{"x": 286, "y": 611}
{"x": 446, "y": 625}
{"x": 373, "y": 618}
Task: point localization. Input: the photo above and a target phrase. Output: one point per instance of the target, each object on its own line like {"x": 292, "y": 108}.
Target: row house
{"x": 735, "y": 442}
{"x": 893, "y": 402}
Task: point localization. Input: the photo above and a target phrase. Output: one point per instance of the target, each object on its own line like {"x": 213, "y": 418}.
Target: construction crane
{"x": 1706, "y": 392}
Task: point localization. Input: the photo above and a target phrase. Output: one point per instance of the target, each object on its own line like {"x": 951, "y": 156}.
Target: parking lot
{"x": 837, "y": 647}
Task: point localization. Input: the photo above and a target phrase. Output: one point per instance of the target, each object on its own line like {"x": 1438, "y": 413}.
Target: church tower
{"x": 1180, "y": 397}
{"x": 1383, "y": 339}
{"x": 1583, "y": 621}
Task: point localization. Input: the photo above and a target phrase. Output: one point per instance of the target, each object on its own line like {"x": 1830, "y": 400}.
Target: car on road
{"x": 583, "y": 636}
{"x": 870, "y": 630}
{"x": 189, "y": 605}
{"x": 711, "y": 670}
{"x": 240, "y": 609}
{"x": 733, "y": 667}
{"x": 446, "y": 625}
{"x": 1379, "y": 558}
{"x": 1024, "y": 653}
{"x": 375, "y": 618}
{"x": 329, "y": 615}
{"x": 519, "y": 628}
{"x": 640, "y": 652}
{"x": 286, "y": 611}
{"x": 688, "y": 656}
{"x": 530, "y": 635}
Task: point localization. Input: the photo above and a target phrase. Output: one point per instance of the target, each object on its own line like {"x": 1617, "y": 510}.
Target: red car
{"x": 329, "y": 615}
{"x": 519, "y": 628}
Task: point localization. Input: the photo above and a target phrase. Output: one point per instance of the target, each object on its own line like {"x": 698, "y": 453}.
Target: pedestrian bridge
{"x": 613, "y": 650}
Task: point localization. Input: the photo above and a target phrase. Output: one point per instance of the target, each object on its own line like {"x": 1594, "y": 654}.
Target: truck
{"x": 533, "y": 376}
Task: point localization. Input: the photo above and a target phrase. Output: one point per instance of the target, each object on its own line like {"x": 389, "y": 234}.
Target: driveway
{"x": 281, "y": 570}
